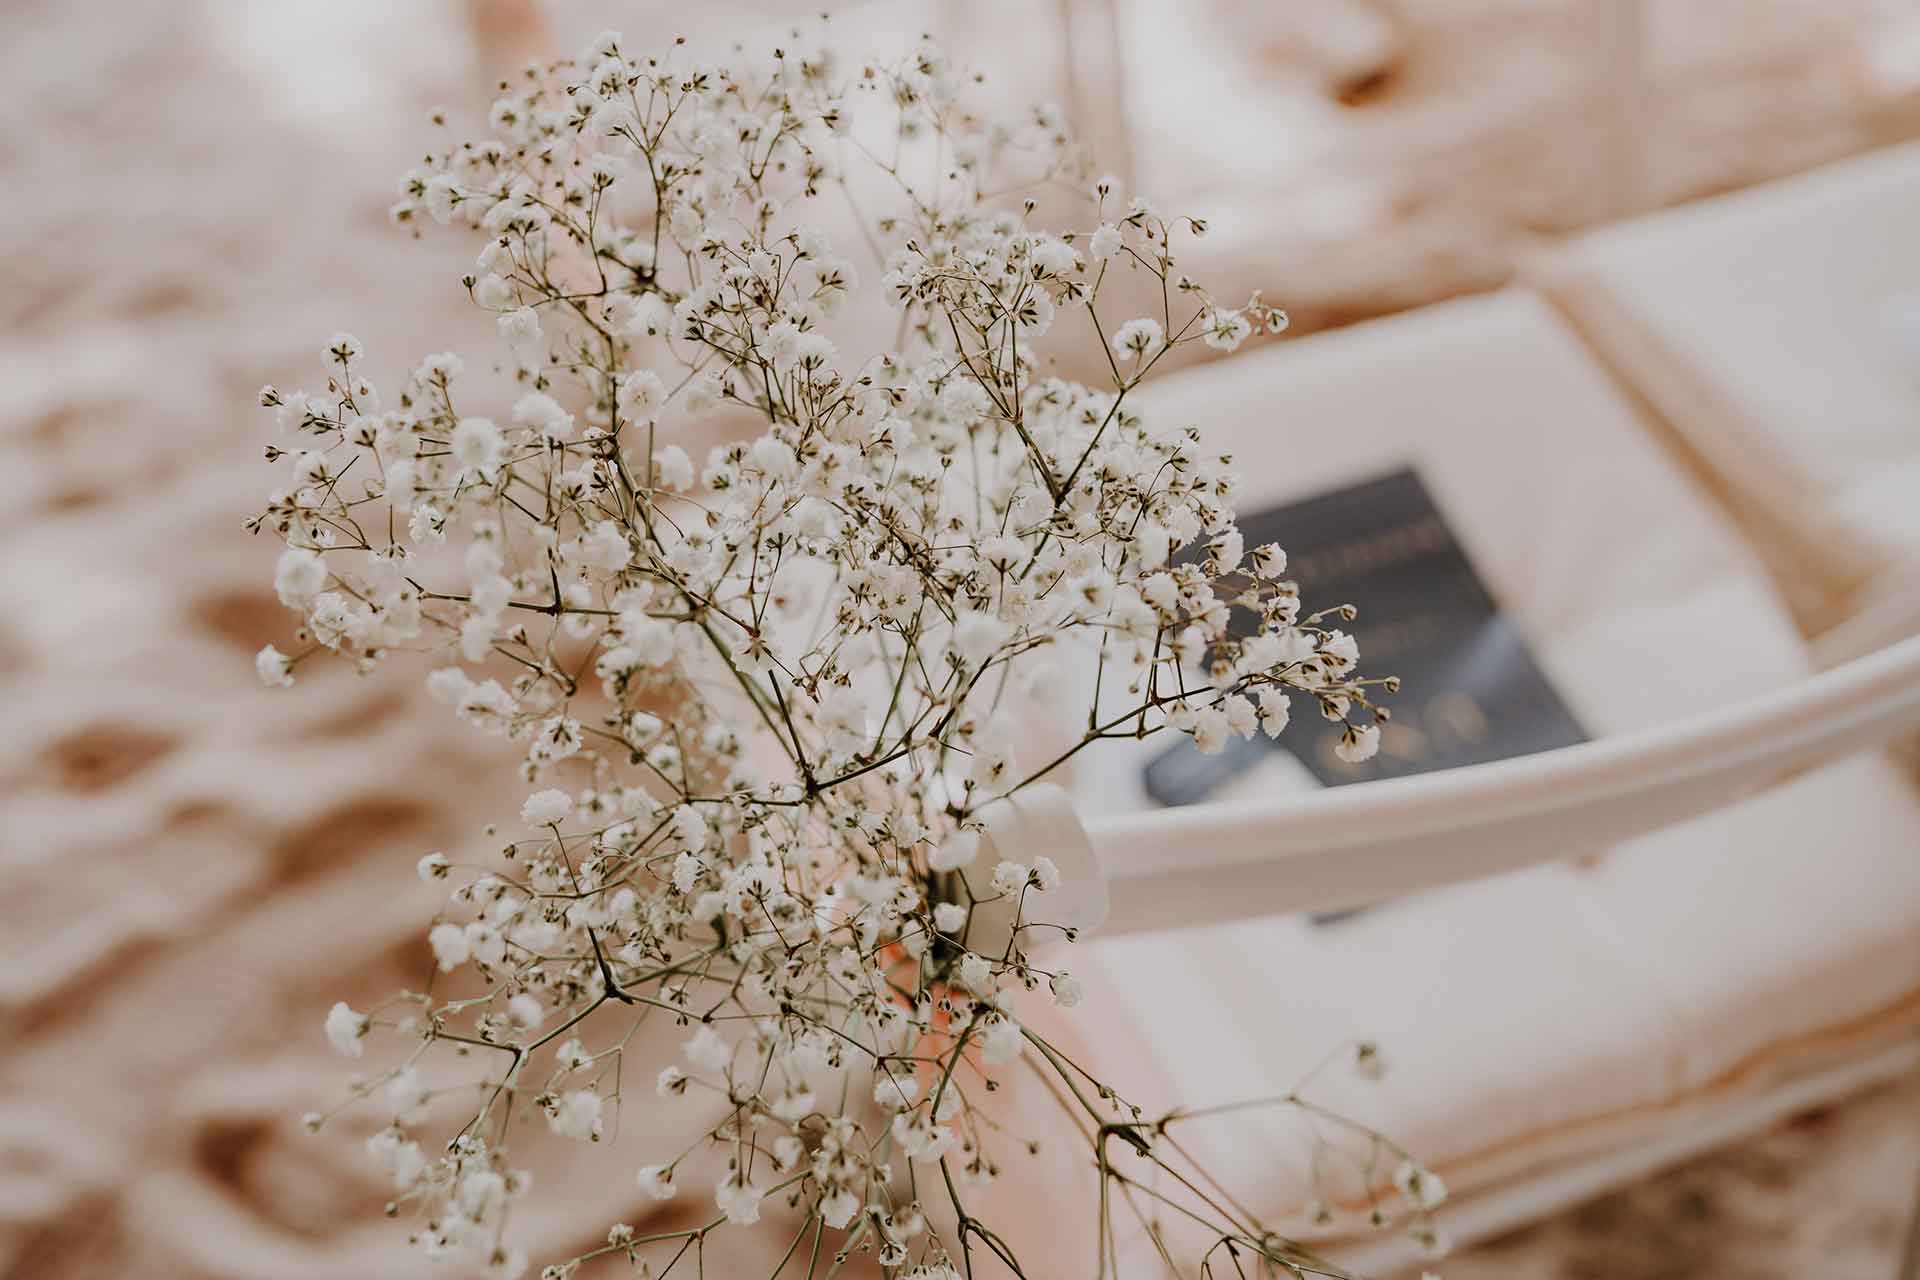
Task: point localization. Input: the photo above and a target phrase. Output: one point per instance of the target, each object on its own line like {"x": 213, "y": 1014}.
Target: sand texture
{"x": 192, "y": 868}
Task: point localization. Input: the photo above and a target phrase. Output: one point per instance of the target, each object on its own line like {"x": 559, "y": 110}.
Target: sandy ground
{"x": 1831, "y": 1194}
{"x": 192, "y": 869}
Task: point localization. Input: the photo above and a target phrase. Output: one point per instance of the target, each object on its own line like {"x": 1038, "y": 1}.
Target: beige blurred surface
{"x": 1829, "y": 1195}
{"x": 192, "y": 869}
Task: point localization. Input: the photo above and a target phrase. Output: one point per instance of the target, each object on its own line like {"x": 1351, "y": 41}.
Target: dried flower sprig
{"x": 763, "y": 701}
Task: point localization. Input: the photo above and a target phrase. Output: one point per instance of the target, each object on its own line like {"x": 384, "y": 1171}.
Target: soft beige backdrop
{"x": 191, "y": 869}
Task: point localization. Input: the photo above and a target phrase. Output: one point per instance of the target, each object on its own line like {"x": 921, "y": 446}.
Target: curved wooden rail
{"x": 1357, "y": 844}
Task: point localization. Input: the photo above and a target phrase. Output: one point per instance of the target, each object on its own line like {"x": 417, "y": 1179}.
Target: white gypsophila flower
{"x": 346, "y": 1030}
{"x": 1357, "y": 745}
{"x": 477, "y": 445}
{"x": 1001, "y": 1041}
{"x": 1046, "y": 874}
{"x": 1421, "y": 1186}
{"x": 452, "y": 946}
{"x": 542, "y": 412}
{"x": 1276, "y": 710}
{"x": 837, "y": 1209}
{"x": 1137, "y": 339}
{"x": 576, "y": 1114}
{"x": 674, "y": 468}
{"x": 1210, "y": 729}
{"x": 520, "y": 328}
{"x": 976, "y": 972}
{"x": 441, "y": 192}
{"x": 274, "y": 668}
{"x": 738, "y": 1201}
{"x": 656, "y": 1182}
{"x": 524, "y": 1012}
{"x": 761, "y": 689}
{"x": 544, "y": 808}
{"x": 572, "y": 1056}
{"x": 300, "y": 577}
{"x": 1242, "y": 719}
{"x": 641, "y": 391}
{"x": 1226, "y": 330}
{"x": 1068, "y": 990}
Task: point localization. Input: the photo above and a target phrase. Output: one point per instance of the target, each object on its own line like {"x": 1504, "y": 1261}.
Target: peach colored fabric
{"x": 1777, "y": 330}
{"x": 1561, "y": 1009}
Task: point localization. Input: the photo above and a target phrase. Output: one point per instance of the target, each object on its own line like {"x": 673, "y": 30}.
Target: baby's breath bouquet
{"x": 764, "y": 697}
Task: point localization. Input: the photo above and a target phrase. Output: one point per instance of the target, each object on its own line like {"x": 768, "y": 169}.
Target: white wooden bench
{"x": 1556, "y": 1027}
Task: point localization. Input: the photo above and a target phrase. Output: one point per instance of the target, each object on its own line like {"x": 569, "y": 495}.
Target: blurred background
{"x": 192, "y": 870}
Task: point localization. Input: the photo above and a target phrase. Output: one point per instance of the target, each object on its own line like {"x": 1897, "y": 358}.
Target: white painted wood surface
{"x": 1357, "y": 844}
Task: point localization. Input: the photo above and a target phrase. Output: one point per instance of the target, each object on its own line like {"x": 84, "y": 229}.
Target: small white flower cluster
{"x": 763, "y": 700}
